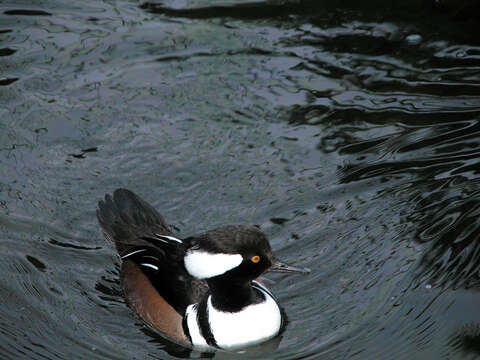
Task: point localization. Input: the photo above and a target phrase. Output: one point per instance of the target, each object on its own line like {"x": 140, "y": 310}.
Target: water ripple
{"x": 348, "y": 130}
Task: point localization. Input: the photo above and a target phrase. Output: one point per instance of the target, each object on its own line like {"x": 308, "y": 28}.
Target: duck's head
{"x": 235, "y": 252}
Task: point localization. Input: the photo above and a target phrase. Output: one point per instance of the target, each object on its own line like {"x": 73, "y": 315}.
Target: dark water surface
{"x": 349, "y": 131}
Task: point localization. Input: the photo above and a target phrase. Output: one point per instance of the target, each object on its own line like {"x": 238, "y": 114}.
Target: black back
{"x": 136, "y": 228}
{"x": 128, "y": 221}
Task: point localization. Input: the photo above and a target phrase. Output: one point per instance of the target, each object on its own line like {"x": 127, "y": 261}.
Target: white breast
{"x": 254, "y": 324}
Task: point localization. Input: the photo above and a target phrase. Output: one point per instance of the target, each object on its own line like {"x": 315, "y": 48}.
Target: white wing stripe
{"x": 150, "y": 266}
{"x": 171, "y": 238}
{"x": 132, "y": 253}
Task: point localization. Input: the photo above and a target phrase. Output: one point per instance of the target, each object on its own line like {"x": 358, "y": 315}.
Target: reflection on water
{"x": 443, "y": 192}
{"x": 467, "y": 339}
{"x": 348, "y": 131}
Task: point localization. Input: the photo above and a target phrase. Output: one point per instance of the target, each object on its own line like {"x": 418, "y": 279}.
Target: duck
{"x": 202, "y": 291}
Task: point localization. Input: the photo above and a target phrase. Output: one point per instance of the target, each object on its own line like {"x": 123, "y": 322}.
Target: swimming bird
{"x": 201, "y": 291}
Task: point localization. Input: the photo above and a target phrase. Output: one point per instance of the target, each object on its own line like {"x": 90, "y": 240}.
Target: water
{"x": 349, "y": 132}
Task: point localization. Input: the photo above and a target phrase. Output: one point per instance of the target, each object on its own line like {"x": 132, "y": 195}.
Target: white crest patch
{"x": 204, "y": 265}
{"x": 254, "y": 324}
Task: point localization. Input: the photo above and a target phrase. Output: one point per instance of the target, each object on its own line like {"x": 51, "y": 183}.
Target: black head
{"x": 235, "y": 251}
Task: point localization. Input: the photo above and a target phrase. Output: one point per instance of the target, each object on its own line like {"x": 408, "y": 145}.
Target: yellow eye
{"x": 255, "y": 259}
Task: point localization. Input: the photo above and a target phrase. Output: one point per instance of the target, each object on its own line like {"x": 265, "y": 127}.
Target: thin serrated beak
{"x": 281, "y": 267}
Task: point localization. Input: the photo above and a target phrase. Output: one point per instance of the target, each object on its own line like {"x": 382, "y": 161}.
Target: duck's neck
{"x": 232, "y": 295}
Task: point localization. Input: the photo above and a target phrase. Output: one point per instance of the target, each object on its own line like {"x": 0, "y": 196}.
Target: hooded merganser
{"x": 199, "y": 291}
